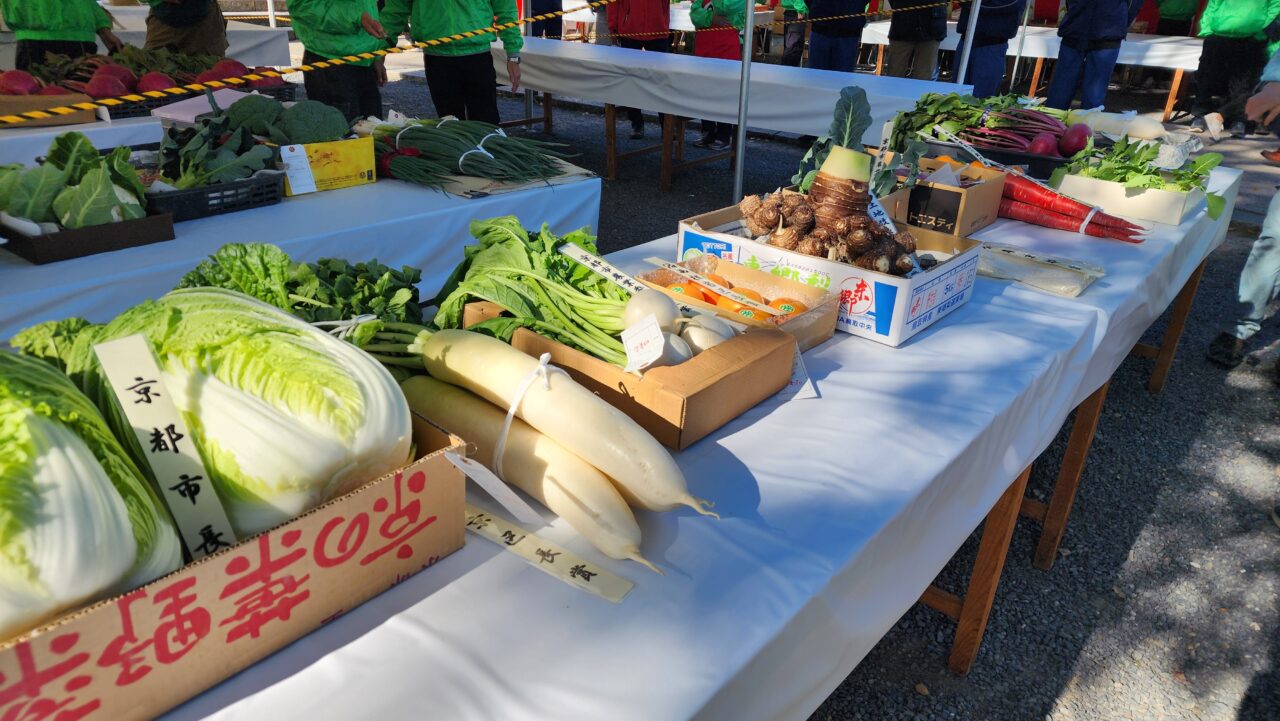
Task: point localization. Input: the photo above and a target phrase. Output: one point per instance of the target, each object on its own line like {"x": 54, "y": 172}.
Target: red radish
{"x": 1028, "y": 213}
{"x": 231, "y": 68}
{"x": 1019, "y": 188}
{"x": 1075, "y": 139}
{"x": 210, "y": 76}
{"x": 120, "y": 72}
{"x": 53, "y": 90}
{"x": 1044, "y": 144}
{"x": 105, "y": 86}
{"x": 18, "y": 82}
{"x": 155, "y": 81}
{"x": 266, "y": 82}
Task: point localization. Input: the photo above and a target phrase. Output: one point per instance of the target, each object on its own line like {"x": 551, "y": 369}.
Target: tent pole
{"x": 744, "y": 90}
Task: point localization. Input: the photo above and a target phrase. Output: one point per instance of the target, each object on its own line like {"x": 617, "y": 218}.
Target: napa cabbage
{"x": 284, "y": 415}
{"x": 77, "y": 519}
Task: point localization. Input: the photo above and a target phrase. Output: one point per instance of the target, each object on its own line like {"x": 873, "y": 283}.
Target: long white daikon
{"x": 572, "y": 488}
{"x": 573, "y": 416}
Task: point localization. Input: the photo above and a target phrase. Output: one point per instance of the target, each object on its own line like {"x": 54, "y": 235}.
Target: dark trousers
{"x": 712, "y": 130}
{"x": 1229, "y": 69}
{"x": 1088, "y": 72}
{"x": 656, "y": 45}
{"x": 350, "y": 88}
{"x": 827, "y": 52}
{"x": 553, "y": 28}
{"x": 792, "y": 40}
{"x": 1174, "y": 28}
{"x": 31, "y": 52}
{"x": 464, "y": 86}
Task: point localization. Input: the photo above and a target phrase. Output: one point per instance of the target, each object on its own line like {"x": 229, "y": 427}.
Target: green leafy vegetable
{"x": 309, "y": 121}
{"x": 95, "y": 201}
{"x": 75, "y": 154}
{"x": 1132, "y": 163}
{"x": 849, "y": 122}
{"x": 33, "y": 194}
{"x": 256, "y": 113}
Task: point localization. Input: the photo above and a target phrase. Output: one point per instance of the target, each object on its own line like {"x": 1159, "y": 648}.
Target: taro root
{"x": 797, "y": 212}
{"x": 906, "y": 241}
{"x": 823, "y": 236}
{"x": 903, "y": 264}
{"x": 787, "y": 237}
{"x": 762, "y": 214}
{"x": 840, "y": 188}
{"x": 812, "y": 246}
{"x": 859, "y": 241}
{"x": 876, "y": 260}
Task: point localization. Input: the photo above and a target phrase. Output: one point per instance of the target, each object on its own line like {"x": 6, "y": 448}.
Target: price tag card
{"x": 800, "y": 386}
{"x": 702, "y": 280}
{"x": 184, "y": 484}
{"x": 602, "y": 267}
{"x": 497, "y": 489}
{"x": 297, "y": 167}
{"x": 644, "y": 342}
{"x": 548, "y": 557}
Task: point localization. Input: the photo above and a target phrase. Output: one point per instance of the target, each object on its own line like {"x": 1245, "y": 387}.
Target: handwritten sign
{"x": 800, "y": 386}
{"x": 715, "y": 287}
{"x": 183, "y": 482}
{"x": 876, "y": 212}
{"x": 602, "y": 267}
{"x": 497, "y": 488}
{"x": 297, "y": 167}
{"x": 644, "y": 342}
{"x": 548, "y": 557}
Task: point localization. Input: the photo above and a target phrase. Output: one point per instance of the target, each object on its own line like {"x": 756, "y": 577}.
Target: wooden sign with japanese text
{"x": 181, "y": 478}
{"x": 140, "y": 654}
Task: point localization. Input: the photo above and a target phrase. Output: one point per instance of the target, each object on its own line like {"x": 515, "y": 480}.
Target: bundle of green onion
{"x": 470, "y": 147}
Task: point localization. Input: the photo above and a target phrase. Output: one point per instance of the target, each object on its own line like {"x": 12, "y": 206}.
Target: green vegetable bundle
{"x": 76, "y": 187}
{"x": 1133, "y": 163}
{"x": 212, "y": 152}
{"x": 956, "y": 113}
{"x": 481, "y": 150}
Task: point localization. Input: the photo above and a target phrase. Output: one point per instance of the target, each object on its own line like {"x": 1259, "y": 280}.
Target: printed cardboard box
{"x": 885, "y": 308}
{"x": 137, "y": 655}
{"x": 678, "y": 404}
{"x": 14, "y": 104}
{"x": 949, "y": 209}
{"x": 1152, "y": 204}
{"x": 313, "y": 167}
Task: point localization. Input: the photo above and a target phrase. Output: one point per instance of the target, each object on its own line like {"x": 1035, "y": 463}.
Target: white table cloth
{"x": 837, "y": 513}
{"x": 397, "y": 223}
{"x": 680, "y": 21}
{"x": 1155, "y": 51}
{"x": 23, "y": 145}
{"x": 794, "y": 100}
{"x": 250, "y": 44}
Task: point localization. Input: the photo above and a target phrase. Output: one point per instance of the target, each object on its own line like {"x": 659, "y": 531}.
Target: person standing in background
{"x": 333, "y": 29}
{"x": 1091, "y": 33}
{"x": 1176, "y": 17}
{"x": 1236, "y": 34}
{"x": 460, "y": 74}
{"x": 63, "y": 27}
{"x": 194, "y": 27}
{"x": 641, "y": 25}
{"x": 915, "y": 32}
{"x": 833, "y": 44}
{"x": 998, "y": 22}
{"x": 793, "y": 11}
{"x": 553, "y": 28}
{"x": 725, "y": 42}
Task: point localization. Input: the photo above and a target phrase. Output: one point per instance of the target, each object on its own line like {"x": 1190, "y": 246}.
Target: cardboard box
{"x": 948, "y": 208}
{"x": 1152, "y": 204}
{"x": 329, "y": 166}
{"x": 14, "y": 104}
{"x": 885, "y": 308}
{"x": 137, "y": 655}
{"x": 79, "y": 242}
{"x": 680, "y": 404}
{"x": 810, "y": 328}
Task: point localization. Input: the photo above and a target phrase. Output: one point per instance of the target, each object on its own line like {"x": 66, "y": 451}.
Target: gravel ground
{"x": 1163, "y": 603}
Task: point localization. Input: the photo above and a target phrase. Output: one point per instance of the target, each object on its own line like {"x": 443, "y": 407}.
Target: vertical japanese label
{"x": 877, "y": 213}
{"x": 602, "y": 267}
{"x": 183, "y": 482}
{"x": 548, "y": 557}
{"x": 702, "y": 280}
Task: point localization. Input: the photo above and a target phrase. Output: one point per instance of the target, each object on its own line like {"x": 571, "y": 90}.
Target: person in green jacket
{"x": 793, "y": 31}
{"x": 1176, "y": 16}
{"x": 194, "y": 27}
{"x": 460, "y": 74}
{"x": 332, "y": 29}
{"x": 63, "y": 27}
{"x": 1236, "y": 34}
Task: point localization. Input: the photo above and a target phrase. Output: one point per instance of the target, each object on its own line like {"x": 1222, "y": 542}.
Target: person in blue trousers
{"x": 1091, "y": 33}
{"x": 998, "y": 22}
{"x": 1260, "y": 280}
{"x": 833, "y": 44}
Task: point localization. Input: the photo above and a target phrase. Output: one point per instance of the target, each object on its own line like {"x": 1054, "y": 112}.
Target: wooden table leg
{"x": 680, "y": 133}
{"x": 548, "y": 103}
{"x": 1172, "y": 100}
{"x": 668, "y": 140}
{"x": 974, "y": 609}
{"x": 1054, "y": 515}
{"x": 1168, "y": 347}
{"x": 610, "y": 142}
{"x": 1035, "y": 78}
{"x": 879, "y": 60}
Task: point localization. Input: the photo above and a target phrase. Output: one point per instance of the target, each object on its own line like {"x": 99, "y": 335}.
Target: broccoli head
{"x": 257, "y": 113}
{"x": 310, "y": 121}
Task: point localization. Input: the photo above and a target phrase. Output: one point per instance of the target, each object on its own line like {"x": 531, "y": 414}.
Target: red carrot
{"x": 1019, "y": 188}
{"x": 1028, "y": 213}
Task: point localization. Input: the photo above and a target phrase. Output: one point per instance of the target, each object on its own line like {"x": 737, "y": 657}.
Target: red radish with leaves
{"x": 121, "y": 73}
{"x": 18, "y": 82}
{"x": 1024, "y": 190}
{"x": 1035, "y": 215}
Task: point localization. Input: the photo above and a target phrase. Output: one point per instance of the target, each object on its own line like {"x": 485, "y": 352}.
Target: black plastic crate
{"x": 284, "y": 93}
{"x": 262, "y": 189}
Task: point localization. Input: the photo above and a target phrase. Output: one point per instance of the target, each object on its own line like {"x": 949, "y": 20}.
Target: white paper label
{"x": 497, "y": 489}
{"x": 602, "y": 267}
{"x": 297, "y": 167}
{"x": 184, "y": 484}
{"x": 713, "y": 286}
{"x": 644, "y": 342}
{"x": 944, "y": 175}
{"x": 548, "y": 557}
{"x": 801, "y": 385}
{"x": 877, "y": 213}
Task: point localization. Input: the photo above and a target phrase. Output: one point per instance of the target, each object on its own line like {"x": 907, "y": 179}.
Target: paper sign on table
{"x": 548, "y": 557}
{"x": 297, "y": 168}
{"x": 131, "y": 370}
{"x": 497, "y": 489}
{"x": 800, "y": 386}
{"x": 644, "y": 342}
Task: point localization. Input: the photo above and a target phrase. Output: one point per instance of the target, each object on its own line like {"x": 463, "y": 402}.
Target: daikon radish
{"x": 572, "y": 488}
{"x": 573, "y": 416}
